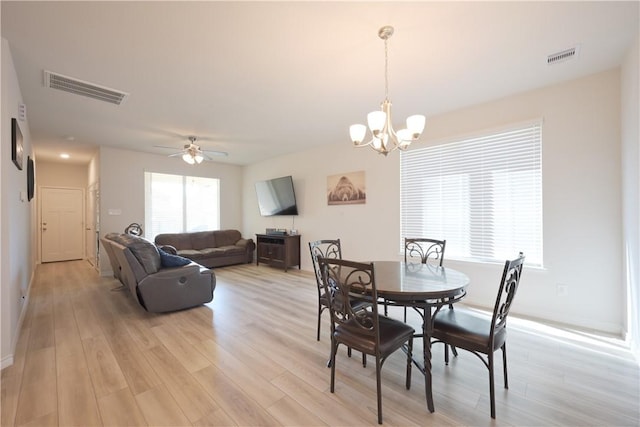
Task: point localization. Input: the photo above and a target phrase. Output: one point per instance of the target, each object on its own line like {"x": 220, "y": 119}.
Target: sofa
{"x": 158, "y": 281}
{"x": 209, "y": 248}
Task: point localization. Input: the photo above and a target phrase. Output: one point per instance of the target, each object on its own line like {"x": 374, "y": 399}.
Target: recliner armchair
{"x": 137, "y": 263}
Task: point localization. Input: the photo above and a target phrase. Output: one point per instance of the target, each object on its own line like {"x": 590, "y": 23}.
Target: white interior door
{"x": 62, "y": 225}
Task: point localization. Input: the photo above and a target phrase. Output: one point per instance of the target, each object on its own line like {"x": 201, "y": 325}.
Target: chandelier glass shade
{"x": 384, "y": 139}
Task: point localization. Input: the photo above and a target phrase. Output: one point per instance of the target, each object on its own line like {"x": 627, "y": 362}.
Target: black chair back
{"x": 323, "y": 249}
{"x": 426, "y": 250}
{"x": 353, "y": 295}
{"x": 507, "y": 291}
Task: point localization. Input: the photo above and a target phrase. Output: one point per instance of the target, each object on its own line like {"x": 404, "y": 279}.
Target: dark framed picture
{"x": 16, "y": 143}
{"x": 30, "y": 178}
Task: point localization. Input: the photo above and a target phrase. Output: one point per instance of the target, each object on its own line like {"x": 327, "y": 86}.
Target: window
{"x": 482, "y": 194}
{"x": 176, "y": 204}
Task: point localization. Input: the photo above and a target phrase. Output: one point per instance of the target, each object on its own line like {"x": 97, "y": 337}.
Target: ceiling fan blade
{"x": 167, "y": 147}
{"x": 206, "y": 154}
{"x": 215, "y": 153}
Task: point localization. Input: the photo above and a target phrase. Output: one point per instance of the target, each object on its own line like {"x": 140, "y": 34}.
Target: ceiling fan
{"x": 193, "y": 154}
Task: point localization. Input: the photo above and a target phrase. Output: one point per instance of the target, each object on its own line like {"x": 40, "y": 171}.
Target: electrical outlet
{"x": 562, "y": 290}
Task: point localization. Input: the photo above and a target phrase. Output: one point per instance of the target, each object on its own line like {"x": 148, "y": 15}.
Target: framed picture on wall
{"x": 346, "y": 189}
{"x": 30, "y": 179}
{"x": 16, "y": 143}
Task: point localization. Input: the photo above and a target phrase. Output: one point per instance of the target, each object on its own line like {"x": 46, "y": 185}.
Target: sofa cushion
{"x": 202, "y": 240}
{"x": 177, "y": 240}
{"x": 170, "y": 260}
{"x": 145, "y": 251}
{"x": 231, "y": 250}
{"x": 192, "y": 254}
{"x": 226, "y": 237}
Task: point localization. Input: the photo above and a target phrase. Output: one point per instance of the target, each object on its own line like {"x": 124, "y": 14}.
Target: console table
{"x": 277, "y": 250}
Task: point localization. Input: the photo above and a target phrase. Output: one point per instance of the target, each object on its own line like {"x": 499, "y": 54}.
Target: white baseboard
{"x": 6, "y": 361}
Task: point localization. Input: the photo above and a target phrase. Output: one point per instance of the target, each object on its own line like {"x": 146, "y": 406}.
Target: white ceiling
{"x": 261, "y": 79}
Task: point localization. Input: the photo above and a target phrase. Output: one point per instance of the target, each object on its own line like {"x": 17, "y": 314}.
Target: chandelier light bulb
{"x": 404, "y": 136}
{"x": 415, "y": 124}
{"x": 376, "y": 120}
{"x": 357, "y": 133}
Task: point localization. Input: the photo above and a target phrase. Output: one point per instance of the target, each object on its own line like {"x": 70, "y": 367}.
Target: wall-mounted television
{"x": 276, "y": 197}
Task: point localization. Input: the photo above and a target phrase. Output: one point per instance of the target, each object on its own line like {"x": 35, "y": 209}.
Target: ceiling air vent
{"x": 565, "y": 55}
{"x": 79, "y": 87}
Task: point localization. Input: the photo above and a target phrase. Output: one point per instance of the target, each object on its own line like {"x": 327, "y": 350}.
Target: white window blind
{"x": 482, "y": 194}
{"x": 176, "y": 204}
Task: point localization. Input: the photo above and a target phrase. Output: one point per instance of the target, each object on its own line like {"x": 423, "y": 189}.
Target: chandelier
{"x": 192, "y": 152}
{"x": 384, "y": 139}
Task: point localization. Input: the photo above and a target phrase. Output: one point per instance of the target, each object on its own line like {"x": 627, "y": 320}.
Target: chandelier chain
{"x": 386, "y": 70}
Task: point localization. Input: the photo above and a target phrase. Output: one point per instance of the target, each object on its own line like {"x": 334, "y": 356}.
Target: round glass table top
{"x": 417, "y": 281}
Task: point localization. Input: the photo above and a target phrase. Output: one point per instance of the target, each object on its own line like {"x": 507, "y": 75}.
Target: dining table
{"x": 426, "y": 288}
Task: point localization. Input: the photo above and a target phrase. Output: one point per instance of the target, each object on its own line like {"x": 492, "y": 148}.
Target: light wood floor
{"x": 88, "y": 355}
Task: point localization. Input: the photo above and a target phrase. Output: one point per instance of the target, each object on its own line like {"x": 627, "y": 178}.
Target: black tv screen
{"x": 276, "y": 197}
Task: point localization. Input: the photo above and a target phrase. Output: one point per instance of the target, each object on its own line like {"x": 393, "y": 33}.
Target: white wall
{"x": 122, "y": 188}
{"x": 581, "y": 197}
{"x": 60, "y": 174}
{"x": 17, "y": 259}
{"x": 631, "y": 189}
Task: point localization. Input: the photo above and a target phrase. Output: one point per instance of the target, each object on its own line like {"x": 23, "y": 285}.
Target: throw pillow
{"x": 170, "y": 260}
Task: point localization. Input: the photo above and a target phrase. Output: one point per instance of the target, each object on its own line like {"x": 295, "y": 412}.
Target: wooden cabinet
{"x": 280, "y": 251}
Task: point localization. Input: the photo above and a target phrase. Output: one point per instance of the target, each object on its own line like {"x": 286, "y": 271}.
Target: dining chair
{"x": 323, "y": 249}
{"x": 364, "y": 329}
{"x": 426, "y": 251}
{"x": 327, "y": 249}
{"x": 479, "y": 333}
